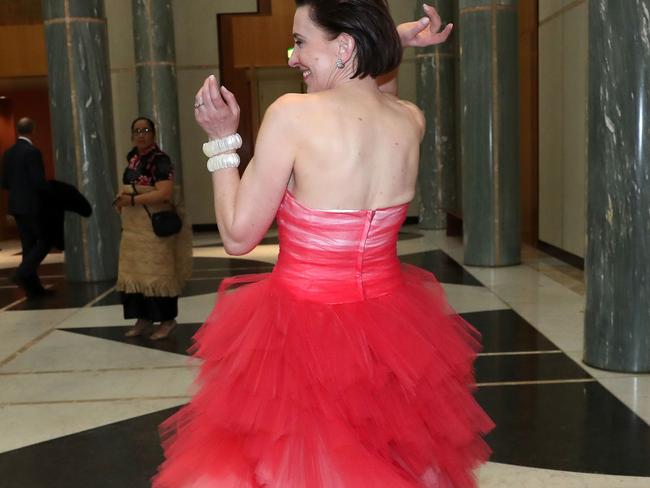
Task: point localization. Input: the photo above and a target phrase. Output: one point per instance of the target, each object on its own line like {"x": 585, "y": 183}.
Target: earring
{"x": 339, "y": 63}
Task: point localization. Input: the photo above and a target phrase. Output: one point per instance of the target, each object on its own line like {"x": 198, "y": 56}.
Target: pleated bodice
{"x": 335, "y": 256}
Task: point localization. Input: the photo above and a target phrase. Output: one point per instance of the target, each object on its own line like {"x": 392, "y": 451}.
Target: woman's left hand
{"x": 216, "y": 110}
{"x": 424, "y": 32}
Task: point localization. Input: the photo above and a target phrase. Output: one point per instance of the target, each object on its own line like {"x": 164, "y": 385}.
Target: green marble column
{"x": 82, "y": 129}
{"x": 489, "y": 131}
{"x": 436, "y": 96}
{"x": 155, "y": 58}
{"x": 617, "y": 318}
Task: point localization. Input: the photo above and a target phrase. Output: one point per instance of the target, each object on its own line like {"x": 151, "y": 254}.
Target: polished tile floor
{"x": 80, "y": 404}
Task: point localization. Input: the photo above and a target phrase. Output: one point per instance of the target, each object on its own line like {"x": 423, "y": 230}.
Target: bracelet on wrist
{"x": 216, "y": 147}
{"x": 223, "y": 161}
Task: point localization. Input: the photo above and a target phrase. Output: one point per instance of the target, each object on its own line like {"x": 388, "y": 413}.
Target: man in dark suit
{"x": 23, "y": 176}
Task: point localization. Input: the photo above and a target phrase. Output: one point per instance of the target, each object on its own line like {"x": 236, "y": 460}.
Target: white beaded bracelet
{"x": 223, "y": 145}
{"x": 223, "y": 161}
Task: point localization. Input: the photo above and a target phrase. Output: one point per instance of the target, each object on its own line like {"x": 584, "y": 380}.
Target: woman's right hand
{"x": 216, "y": 109}
{"x": 122, "y": 200}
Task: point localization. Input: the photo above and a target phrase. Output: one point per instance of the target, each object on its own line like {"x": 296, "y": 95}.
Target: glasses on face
{"x": 141, "y": 130}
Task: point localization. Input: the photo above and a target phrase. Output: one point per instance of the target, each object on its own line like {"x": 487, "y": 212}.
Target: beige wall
{"x": 563, "y": 58}
{"x": 122, "y": 68}
{"x": 197, "y": 56}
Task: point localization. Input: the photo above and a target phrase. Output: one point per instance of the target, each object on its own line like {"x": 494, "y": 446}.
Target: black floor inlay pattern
{"x": 443, "y": 266}
{"x": 44, "y": 269}
{"x": 507, "y": 331}
{"x": 231, "y": 266}
{"x": 572, "y": 427}
{"x": 527, "y": 367}
{"x": 121, "y": 455}
{"x": 178, "y": 342}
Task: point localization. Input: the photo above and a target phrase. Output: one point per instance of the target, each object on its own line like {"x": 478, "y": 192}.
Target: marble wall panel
{"x": 551, "y": 134}
{"x": 563, "y": 50}
{"x": 574, "y": 68}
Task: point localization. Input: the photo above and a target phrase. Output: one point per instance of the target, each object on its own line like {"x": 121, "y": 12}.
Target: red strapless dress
{"x": 340, "y": 369}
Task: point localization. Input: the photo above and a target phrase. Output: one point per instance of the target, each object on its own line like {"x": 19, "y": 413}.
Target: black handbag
{"x": 166, "y": 222}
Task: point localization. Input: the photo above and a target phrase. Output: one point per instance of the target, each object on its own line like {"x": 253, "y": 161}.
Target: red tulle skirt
{"x": 295, "y": 393}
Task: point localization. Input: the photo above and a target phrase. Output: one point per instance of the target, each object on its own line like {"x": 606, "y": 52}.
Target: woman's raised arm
{"x": 419, "y": 33}
{"x": 245, "y": 207}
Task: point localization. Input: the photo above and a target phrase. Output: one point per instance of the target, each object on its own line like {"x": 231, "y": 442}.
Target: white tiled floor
{"x": 65, "y": 351}
{"x": 49, "y": 421}
{"x": 495, "y": 475}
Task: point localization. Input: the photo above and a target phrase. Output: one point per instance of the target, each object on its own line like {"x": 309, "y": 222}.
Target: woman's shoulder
{"x": 292, "y": 103}
{"x": 158, "y": 157}
{"x": 291, "y": 109}
{"x": 409, "y": 107}
{"x": 161, "y": 156}
{"x": 413, "y": 112}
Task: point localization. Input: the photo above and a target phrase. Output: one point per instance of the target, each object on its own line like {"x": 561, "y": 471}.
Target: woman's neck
{"x": 146, "y": 149}
{"x": 351, "y": 84}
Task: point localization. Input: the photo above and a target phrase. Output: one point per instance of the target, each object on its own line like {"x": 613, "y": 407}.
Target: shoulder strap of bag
{"x": 145, "y": 207}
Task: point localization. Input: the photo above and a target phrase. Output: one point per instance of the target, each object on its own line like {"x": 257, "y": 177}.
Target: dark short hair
{"x": 152, "y": 126}
{"x": 378, "y": 47}
{"x": 25, "y": 126}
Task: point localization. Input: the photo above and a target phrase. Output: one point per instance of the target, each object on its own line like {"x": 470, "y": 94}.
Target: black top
{"x": 148, "y": 168}
{"x": 23, "y": 175}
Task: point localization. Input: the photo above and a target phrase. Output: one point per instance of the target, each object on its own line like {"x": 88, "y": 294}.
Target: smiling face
{"x": 142, "y": 135}
{"x": 314, "y": 53}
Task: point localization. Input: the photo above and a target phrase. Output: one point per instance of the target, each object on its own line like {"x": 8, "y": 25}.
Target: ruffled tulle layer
{"x": 299, "y": 394}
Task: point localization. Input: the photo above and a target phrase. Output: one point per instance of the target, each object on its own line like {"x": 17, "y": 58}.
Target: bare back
{"x": 358, "y": 149}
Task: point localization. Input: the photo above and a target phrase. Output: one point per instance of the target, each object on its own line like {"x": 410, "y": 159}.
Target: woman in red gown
{"x": 342, "y": 368}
